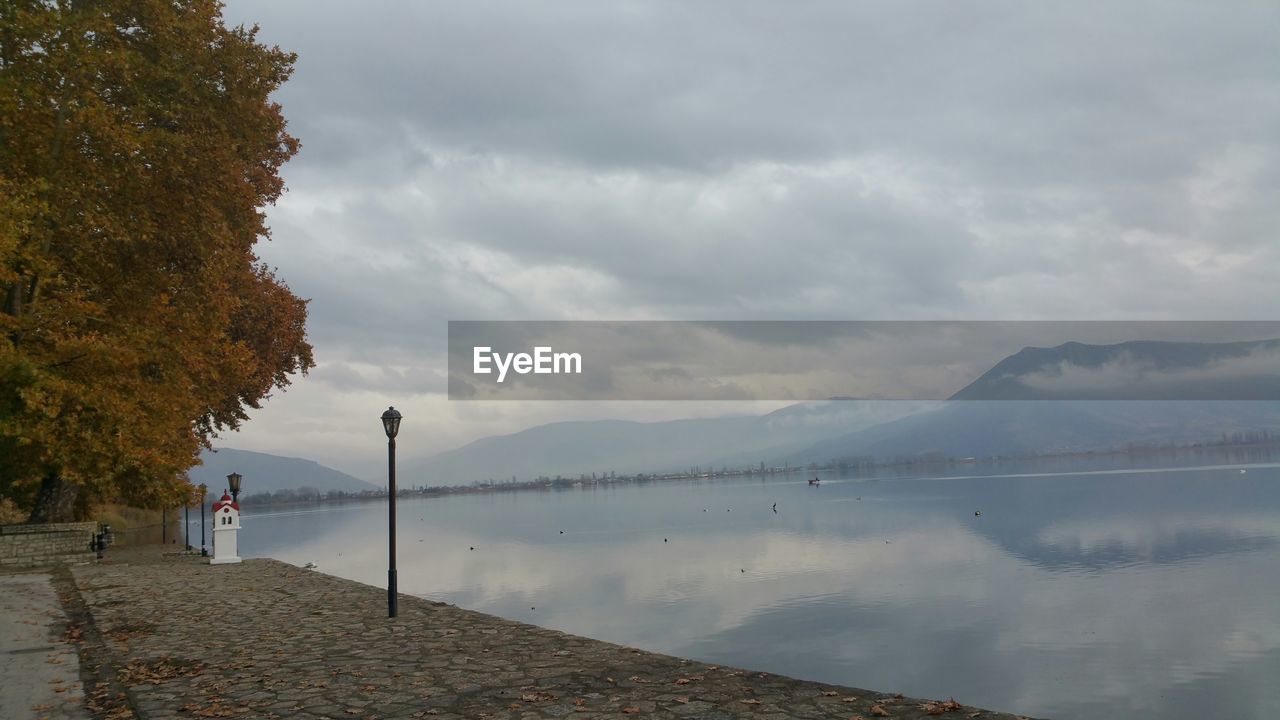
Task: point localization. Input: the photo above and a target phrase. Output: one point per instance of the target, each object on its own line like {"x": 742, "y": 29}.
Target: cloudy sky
{"x": 749, "y": 160}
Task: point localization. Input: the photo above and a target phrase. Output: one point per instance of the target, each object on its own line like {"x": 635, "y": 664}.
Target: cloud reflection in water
{"x": 1097, "y": 596}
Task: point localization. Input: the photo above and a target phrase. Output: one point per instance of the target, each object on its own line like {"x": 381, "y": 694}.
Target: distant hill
{"x": 624, "y": 446}
{"x": 1137, "y": 370}
{"x": 1038, "y": 400}
{"x": 1084, "y": 397}
{"x": 270, "y": 473}
{"x": 1016, "y": 427}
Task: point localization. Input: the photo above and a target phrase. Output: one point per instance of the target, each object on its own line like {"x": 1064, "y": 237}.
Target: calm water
{"x": 1071, "y": 596}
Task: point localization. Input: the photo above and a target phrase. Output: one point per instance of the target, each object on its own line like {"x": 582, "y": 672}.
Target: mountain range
{"x": 1135, "y": 370}
{"x": 269, "y": 473}
{"x": 1006, "y": 428}
{"x": 625, "y": 446}
{"x": 1037, "y": 400}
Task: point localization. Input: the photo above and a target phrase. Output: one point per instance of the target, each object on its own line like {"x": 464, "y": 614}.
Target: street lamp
{"x": 391, "y": 424}
{"x": 233, "y": 482}
{"x": 204, "y": 491}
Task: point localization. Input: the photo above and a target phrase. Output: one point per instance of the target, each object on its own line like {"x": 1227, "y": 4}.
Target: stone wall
{"x": 24, "y": 546}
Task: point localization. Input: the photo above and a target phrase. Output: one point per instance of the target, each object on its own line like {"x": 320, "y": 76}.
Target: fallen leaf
{"x": 879, "y": 711}
{"x": 938, "y": 708}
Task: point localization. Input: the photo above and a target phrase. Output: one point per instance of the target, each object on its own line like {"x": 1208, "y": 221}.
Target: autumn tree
{"x": 139, "y": 147}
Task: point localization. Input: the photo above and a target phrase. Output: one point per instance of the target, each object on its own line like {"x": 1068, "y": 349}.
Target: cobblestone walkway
{"x": 266, "y": 639}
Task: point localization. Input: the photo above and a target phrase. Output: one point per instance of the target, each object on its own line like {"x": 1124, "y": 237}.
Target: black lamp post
{"x": 187, "y": 527}
{"x": 204, "y": 491}
{"x": 391, "y": 424}
{"x": 233, "y": 482}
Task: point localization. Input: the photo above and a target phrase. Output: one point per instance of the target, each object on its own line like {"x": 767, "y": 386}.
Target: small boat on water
{"x": 815, "y": 481}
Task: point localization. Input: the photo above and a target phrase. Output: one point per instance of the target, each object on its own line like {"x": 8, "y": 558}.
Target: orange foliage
{"x": 138, "y": 148}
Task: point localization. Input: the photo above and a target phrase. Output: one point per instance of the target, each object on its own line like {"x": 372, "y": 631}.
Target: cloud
{"x": 744, "y": 160}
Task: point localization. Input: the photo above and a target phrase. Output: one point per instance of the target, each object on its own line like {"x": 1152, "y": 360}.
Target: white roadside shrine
{"x": 226, "y": 523}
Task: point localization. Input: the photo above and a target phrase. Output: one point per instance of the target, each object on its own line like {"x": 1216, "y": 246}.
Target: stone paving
{"x": 264, "y": 639}
{"x": 39, "y": 671}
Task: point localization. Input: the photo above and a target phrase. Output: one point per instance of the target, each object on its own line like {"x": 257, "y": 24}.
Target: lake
{"x": 1082, "y": 594}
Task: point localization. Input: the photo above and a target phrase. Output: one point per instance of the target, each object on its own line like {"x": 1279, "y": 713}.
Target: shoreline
{"x": 267, "y": 639}
{"x": 1140, "y": 457}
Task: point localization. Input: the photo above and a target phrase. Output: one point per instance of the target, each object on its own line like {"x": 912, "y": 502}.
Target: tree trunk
{"x": 56, "y": 501}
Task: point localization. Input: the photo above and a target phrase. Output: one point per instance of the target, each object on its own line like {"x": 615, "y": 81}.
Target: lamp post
{"x": 204, "y": 490}
{"x": 391, "y": 424}
{"x": 187, "y": 526}
{"x": 233, "y": 482}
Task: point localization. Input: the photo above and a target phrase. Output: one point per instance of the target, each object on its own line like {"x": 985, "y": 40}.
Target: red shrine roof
{"x": 226, "y": 500}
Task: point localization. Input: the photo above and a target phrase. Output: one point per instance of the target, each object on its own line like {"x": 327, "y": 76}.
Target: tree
{"x": 138, "y": 148}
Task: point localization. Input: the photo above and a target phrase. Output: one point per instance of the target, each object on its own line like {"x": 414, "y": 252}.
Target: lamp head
{"x": 391, "y": 422}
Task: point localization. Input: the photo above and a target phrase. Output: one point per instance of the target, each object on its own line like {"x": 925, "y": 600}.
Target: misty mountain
{"x": 1087, "y": 397}
{"x": 1030, "y": 402}
{"x": 269, "y": 473}
{"x": 1136, "y": 370}
{"x": 1016, "y": 427}
{"x": 623, "y": 446}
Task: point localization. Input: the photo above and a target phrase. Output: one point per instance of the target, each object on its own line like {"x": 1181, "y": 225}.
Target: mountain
{"x": 269, "y": 473}
{"x": 1017, "y": 427}
{"x": 1135, "y": 370}
{"x": 624, "y": 446}
{"x": 1078, "y": 396}
{"x": 1038, "y": 400}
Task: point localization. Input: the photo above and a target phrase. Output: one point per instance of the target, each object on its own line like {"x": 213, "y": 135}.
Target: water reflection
{"x": 1085, "y": 595}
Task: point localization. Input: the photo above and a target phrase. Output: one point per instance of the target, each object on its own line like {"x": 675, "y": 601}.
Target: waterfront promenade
{"x": 163, "y": 635}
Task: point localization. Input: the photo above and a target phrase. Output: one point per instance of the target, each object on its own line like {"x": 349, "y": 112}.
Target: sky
{"x": 742, "y": 160}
